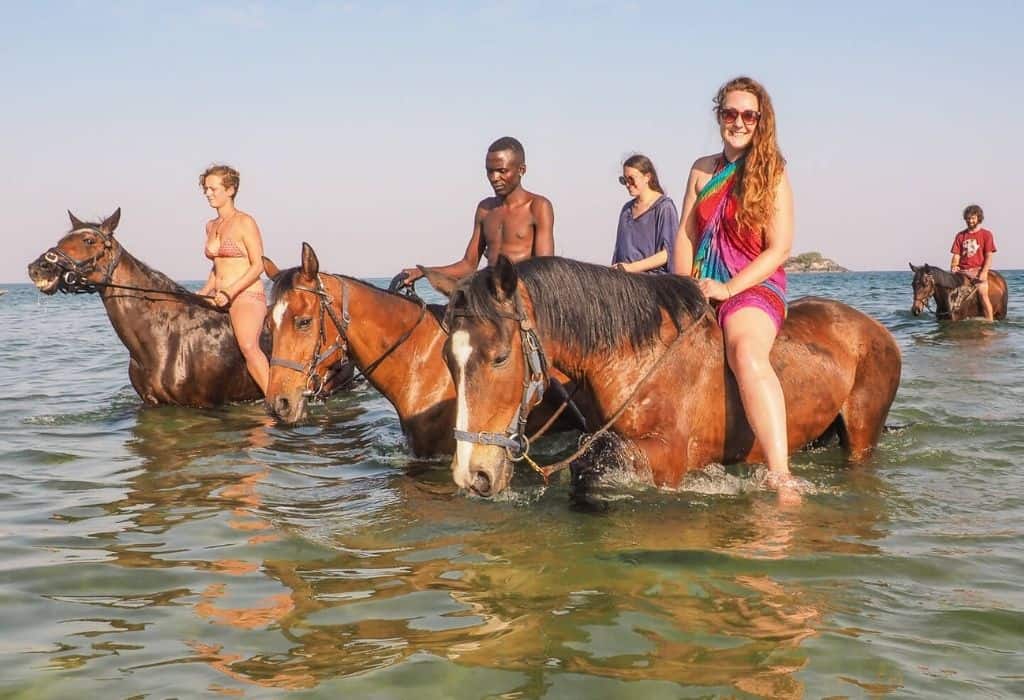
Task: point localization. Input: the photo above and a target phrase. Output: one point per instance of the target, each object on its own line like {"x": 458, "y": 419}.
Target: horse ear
{"x": 75, "y": 222}
{"x": 503, "y": 280}
{"x": 310, "y": 263}
{"x": 270, "y": 268}
{"x": 110, "y": 223}
{"x": 912, "y": 268}
{"x": 438, "y": 280}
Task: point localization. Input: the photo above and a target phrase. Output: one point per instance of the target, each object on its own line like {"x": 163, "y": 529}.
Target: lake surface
{"x": 168, "y": 552}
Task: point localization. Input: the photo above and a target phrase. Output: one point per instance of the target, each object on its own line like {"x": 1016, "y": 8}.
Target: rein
{"x": 326, "y": 307}
{"x": 73, "y": 279}
{"x": 515, "y": 442}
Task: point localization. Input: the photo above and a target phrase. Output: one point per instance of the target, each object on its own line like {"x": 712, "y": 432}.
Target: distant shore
{"x": 812, "y": 262}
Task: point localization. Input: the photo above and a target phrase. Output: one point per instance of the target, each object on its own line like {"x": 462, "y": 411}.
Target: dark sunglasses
{"x": 623, "y": 180}
{"x": 728, "y": 115}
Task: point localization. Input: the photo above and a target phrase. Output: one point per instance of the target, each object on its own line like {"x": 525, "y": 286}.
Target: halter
{"x": 958, "y": 296}
{"x": 535, "y": 379}
{"x": 326, "y": 307}
{"x": 74, "y": 278}
{"x": 515, "y": 442}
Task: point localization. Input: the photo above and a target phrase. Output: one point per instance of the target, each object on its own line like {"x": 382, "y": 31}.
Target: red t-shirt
{"x": 972, "y": 247}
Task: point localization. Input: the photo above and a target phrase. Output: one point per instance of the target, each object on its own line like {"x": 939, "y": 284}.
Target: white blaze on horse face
{"x": 461, "y": 350}
{"x": 278, "y": 313}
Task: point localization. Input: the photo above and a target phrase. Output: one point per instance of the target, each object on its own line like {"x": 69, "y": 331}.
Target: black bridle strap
{"x": 326, "y": 305}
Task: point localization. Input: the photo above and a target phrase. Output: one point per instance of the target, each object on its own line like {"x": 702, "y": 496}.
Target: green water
{"x": 182, "y": 553}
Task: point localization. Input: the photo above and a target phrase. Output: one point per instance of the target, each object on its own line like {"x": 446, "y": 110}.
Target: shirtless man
{"x": 514, "y": 222}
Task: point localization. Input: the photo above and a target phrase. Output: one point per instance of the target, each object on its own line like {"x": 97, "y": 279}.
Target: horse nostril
{"x": 481, "y": 484}
{"x": 281, "y": 406}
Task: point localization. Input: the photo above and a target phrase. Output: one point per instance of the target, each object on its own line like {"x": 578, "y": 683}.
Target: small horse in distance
{"x": 395, "y": 340}
{"x": 182, "y": 350}
{"x": 955, "y": 294}
{"x": 651, "y": 352}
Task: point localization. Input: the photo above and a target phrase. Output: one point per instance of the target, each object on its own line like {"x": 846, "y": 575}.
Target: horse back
{"x": 998, "y": 294}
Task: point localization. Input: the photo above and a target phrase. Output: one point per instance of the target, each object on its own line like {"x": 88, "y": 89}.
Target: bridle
{"x": 314, "y": 381}
{"x": 514, "y": 440}
{"x": 957, "y": 296}
{"x": 535, "y": 380}
{"x": 74, "y": 278}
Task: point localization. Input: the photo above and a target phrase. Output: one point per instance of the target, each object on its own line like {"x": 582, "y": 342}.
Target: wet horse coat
{"x": 181, "y": 350}
{"x": 839, "y": 368}
{"x": 386, "y": 331}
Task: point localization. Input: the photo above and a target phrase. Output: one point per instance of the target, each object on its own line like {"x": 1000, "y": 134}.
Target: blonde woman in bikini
{"x": 234, "y": 244}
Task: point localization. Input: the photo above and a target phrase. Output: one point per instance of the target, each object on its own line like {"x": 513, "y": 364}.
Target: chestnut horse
{"x": 181, "y": 349}
{"x": 955, "y": 294}
{"x": 393, "y": 339}
{"x": 651, "y": 353}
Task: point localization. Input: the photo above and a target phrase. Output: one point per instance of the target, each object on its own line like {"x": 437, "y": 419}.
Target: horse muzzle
{"x": 44, "y": 275}
{"x": 916, "y": 309}
{"x": 288, "y": 409}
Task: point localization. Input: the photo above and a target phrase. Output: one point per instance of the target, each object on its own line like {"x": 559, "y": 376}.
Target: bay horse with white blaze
{"x": 651, "y": 353}
{"x": 181, "y": 349}
{"x": 955, "y": 294}
{"x": 393, "y": 339}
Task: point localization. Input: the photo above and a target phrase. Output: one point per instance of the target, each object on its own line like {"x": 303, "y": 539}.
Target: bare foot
{"x": 787, "y": 486}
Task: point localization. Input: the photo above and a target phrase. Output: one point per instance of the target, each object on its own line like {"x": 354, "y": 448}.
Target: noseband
{"x": 535, "y": 379}
{"x": 315, "y": 383}
{"x": 74, "y": 278}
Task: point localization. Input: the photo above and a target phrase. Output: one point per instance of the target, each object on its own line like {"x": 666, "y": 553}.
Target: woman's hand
{"x": 714, "y": 290}
{"x": 221, "y": 299}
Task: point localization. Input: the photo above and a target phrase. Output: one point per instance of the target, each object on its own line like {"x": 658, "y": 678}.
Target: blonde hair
{"x": 228, "y": 177}
{"x": 764, "y": 163}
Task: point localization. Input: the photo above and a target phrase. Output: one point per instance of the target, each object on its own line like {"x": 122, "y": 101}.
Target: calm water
{"x": 181, "y": 553}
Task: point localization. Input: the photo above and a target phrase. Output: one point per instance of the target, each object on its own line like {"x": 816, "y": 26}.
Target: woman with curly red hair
{"x": 735, "y": 234}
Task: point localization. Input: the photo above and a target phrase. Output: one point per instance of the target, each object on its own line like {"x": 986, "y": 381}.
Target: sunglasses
{"x": 728, "y": 115}
{"x": 623, "y": 180}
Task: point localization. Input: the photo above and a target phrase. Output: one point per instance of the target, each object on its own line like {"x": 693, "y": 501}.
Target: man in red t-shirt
{"x": 972, "y": 253}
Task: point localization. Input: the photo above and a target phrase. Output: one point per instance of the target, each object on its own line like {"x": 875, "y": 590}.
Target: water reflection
{"x": 330, "y": 564}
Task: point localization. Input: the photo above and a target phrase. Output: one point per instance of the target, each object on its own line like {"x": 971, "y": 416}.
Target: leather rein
{"x": 514, "y": 440}
{"x": 315, "y": 382}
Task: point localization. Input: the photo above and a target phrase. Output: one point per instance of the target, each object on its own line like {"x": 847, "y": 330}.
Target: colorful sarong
{"x": 725, "y": 248}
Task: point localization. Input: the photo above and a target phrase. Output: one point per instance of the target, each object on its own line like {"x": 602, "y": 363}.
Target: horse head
{"x": 923, "y": 286}
{"x": 499, "y": 372}
{"x": 83, "y": 258}
{"x": 308, "y": 338}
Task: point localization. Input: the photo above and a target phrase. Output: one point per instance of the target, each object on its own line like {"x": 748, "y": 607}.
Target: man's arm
{"x": 985, "y": 267}
{"x": 544, "y": 234}
{"x": 649, "y": 263}
{"x": 954, "y": 264}
{"x": 470, "y": 260}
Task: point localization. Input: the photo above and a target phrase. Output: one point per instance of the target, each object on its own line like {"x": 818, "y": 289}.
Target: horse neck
{"x": 378, "y": 321}
{"x": 131, "y": 312}
{"x": 615, "y": 375}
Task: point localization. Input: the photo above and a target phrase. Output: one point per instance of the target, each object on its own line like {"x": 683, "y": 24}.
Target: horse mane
{"x": 285, "y": 282}
{"x": 591, "y": 308}
{"x": 942, "y": 277}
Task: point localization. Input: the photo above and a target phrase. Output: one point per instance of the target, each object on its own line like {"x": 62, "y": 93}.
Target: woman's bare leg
{"x": 749, "y": 335}
{"x": 248, "y": 312}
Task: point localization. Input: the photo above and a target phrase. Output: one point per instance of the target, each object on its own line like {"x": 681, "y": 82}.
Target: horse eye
{"x": 500, "y": 360}
{"x": 88, "y": 240}
{"x": 303, "y": 323}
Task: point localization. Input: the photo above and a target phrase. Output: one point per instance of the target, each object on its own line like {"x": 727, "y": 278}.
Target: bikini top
{"x": 228, "y": 249}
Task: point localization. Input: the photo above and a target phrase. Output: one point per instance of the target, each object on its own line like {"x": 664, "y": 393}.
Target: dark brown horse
{"x": 955, "y": 294}
{"x": 650, "y": 351}
{"x": 182, "y": 350}
{"x": 394, "y": 339}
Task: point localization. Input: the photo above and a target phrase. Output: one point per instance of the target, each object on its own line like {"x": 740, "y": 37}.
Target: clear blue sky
{"x": 361, "y": 127}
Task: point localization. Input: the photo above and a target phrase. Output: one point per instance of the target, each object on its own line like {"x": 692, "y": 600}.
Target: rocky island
{"x": 812, "y": 262}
